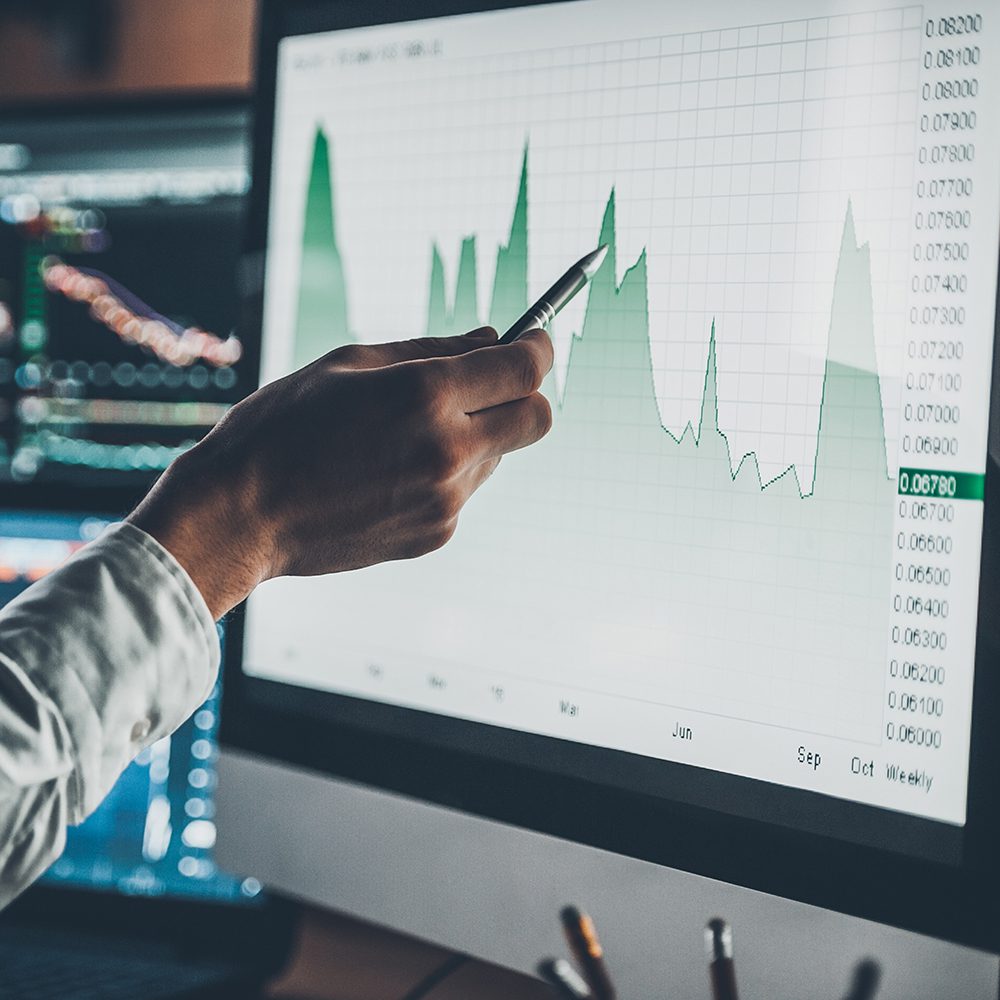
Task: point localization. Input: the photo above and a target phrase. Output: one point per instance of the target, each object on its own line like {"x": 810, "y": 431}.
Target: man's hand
{"x": 364, "y": 456}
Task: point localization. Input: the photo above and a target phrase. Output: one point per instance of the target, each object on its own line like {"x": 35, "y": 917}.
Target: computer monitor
{"x": 732, "y": 618}
{"x": 120, "y": 234}
{"x": 154, "y": 834}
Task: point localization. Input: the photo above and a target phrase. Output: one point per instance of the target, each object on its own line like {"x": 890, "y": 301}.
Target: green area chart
{"x": 321, "y": 322}
{"x": 615, "y": 330}
{"x": 667, "y": 552}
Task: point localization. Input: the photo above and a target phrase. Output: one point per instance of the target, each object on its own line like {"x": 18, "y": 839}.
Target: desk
{"x": 339, "y": 958}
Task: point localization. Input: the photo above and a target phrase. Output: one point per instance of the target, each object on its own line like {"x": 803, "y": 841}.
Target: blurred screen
{"x": 119, "y": 247}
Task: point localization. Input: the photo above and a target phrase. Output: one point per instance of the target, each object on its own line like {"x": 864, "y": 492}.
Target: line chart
{"x": 612, "y": 475}
{"x": 849, "y": 383}
{"x": 134, "y": 322}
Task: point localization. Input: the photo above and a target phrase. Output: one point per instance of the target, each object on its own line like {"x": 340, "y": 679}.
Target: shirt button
{"x": 140, "y": 730}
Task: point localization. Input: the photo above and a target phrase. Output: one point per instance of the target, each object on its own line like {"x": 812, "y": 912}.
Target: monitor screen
{"x": 154, "y": 833}
{"x": 119, "y": 240}
{"x": 743, "y": 571}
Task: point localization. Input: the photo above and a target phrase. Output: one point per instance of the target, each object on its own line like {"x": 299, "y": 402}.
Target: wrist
{"x": 204, "y": 520}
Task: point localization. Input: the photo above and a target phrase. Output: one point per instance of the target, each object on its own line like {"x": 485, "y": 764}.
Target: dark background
{"x": 88, "y": 48}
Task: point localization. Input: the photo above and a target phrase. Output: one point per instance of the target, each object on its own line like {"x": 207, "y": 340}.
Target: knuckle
{"x": 486, "y": 471}
{"x": 444, "y": 506}
{"x": 441, "y": 535}
{"x": 543, "y": 415}
{"x": 349, "y": 355}
{"x": 441, "y": 459}
{"x": 429, "y": 540}
{"x": 527, "y": 373}
{"x": 424, "y": 390}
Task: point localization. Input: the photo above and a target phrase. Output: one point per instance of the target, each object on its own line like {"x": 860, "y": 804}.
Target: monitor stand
{"x": 494, "y": 892}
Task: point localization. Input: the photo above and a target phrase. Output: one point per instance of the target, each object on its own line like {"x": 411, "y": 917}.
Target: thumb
{"x": 359, "y": 356}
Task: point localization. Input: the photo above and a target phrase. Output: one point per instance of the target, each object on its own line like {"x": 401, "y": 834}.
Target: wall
{"x": 152, "y": 45}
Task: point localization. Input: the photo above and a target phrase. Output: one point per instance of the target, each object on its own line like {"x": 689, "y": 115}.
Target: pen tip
{"x": 590, "y": 264}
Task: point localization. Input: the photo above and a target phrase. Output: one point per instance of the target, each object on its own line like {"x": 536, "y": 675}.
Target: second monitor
{"x": 120, "y": 236}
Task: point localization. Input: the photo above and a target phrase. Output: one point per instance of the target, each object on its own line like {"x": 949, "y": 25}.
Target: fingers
{"x": 484, "y": 379}
{"x": 510, "y": 426}
{"x": 360, "y": 356}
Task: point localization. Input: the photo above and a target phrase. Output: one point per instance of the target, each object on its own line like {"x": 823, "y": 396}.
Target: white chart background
{"x": 736, "y": 152}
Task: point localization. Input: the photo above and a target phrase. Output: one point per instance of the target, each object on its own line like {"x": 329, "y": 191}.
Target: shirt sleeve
{"x": 97, "y": 661}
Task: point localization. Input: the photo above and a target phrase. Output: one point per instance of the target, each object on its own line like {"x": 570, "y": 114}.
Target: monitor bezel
{"x": 956, "y": 902}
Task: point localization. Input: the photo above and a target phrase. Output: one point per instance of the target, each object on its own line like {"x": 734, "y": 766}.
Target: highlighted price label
{"x": 941, "y": 485}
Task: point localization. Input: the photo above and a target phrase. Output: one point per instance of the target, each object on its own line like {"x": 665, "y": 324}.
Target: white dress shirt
{"x": 97, "y": 661}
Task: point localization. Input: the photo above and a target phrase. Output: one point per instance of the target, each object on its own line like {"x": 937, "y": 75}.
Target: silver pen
{"x": 542, "y": 312}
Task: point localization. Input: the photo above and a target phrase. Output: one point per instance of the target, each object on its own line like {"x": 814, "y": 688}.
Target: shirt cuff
{"x": 121, "y": 642}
